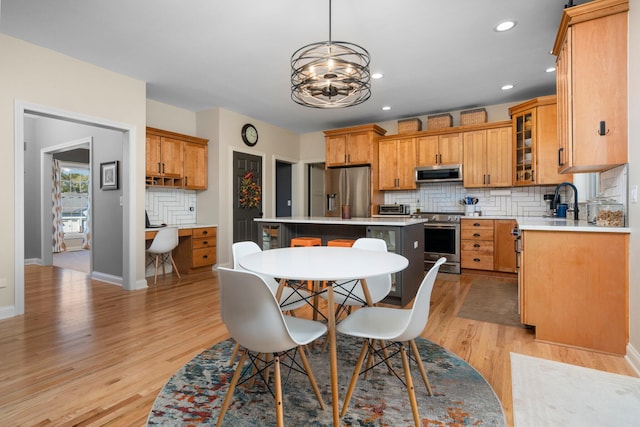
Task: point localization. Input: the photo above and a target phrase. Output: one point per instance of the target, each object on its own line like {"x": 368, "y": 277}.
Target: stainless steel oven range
{"x": 441, "y": 239}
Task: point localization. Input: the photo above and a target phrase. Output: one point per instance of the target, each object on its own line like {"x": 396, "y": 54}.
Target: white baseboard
{"x": 108, "y": 278}
{"x": 633, "y": 357}
{"x": 140, "y": 284}
{"x": 7, "y": 311}
{"x": 33, "y": 261}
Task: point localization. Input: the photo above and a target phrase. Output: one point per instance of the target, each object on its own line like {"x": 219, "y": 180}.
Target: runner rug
{"x": 492, "y": 301}
{"x": 462, "y": 397}
{"x": 548, "y": 393}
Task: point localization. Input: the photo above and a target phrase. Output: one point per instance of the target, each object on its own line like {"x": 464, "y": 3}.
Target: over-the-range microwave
{"x": 439, "y": 173}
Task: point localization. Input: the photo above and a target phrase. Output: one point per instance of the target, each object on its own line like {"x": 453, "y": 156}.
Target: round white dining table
{"x": 320, "y": 264}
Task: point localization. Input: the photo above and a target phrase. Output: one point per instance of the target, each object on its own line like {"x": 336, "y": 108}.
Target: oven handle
{"x": 432, "y": 225}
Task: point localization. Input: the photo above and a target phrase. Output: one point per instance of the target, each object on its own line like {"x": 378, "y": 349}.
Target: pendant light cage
{"x": 330, "y": 75}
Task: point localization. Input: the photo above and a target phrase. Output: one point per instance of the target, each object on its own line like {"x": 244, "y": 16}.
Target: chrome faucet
{"x": 556, "y": 198}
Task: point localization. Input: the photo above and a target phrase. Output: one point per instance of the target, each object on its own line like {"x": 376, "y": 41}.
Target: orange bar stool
{"x": 309, "y": 241}
{"x": 345, "y": 243}
{"x": 306, "y": 241}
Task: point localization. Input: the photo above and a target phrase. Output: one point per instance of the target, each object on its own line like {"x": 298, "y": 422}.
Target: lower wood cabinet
{"x": 487, "y": 244}
{"x": 574, "y": 288}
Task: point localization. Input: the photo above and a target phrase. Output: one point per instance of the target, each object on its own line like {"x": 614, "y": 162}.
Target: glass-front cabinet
{"x": 391, "y": 236}
{"x": 524, "y": 147}
{"x": 271, "y": 235}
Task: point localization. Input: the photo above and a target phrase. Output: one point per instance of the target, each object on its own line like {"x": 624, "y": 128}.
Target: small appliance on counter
{"x": 395, "y": 209}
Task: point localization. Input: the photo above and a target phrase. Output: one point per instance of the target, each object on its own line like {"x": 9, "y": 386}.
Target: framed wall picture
{"x": 109, "y": 175}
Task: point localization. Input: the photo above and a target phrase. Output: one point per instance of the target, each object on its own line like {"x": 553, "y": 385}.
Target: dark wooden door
{"x": 283, "y": 188}
{"x": 244, "y": 228}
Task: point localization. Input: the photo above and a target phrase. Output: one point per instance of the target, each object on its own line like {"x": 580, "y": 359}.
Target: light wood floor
{"x": 89, "y": 353}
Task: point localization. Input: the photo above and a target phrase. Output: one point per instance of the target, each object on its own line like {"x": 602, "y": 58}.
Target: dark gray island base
{"x": 404, "y": 236}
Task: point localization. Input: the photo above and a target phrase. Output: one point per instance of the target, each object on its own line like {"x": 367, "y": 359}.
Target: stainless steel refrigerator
{"x": 348, "y": 186}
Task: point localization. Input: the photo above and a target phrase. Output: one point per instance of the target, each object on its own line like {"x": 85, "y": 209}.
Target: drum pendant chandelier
{"x": 330, "y": 74}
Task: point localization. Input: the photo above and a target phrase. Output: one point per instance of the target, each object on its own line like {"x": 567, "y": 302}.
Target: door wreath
{"x": 250, "y": 192}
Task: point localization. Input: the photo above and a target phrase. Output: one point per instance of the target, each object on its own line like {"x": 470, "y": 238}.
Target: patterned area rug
{"x": 193, "y": 396}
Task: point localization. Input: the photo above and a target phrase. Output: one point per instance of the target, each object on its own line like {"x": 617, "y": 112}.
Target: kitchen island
{"x": 404, "y": 236}
{"x": 574, "y": 283}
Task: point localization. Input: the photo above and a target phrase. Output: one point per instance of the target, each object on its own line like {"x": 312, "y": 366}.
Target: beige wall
{"x": 39, "y": 76}
{"x": 168, "y": 117}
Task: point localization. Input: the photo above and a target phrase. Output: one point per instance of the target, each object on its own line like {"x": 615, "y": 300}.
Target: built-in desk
{"x": 197, "y": 248}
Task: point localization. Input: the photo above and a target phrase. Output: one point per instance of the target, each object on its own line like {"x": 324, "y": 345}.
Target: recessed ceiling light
{"x": 507, "y": 87}
{"x": 386, "y": 108}
{"x": 377, "y": 76}
{"x": 505, "y": 26}
{"x": 550, "y": 69}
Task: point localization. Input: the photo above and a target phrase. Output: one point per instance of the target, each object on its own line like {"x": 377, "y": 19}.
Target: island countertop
{"x": 392, "y": 221}
{"x": 564, "y": 224}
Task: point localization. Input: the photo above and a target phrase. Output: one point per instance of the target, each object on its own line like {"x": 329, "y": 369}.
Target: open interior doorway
{"x": 315, "y": 190}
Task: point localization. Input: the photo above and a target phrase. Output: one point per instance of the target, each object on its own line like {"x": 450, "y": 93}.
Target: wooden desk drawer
{"x": 204, "y": 232}
{"x": 477, "y": 260}
{"x": 205, "y": 242}
{"x": 203, "y": 257}
{"x": 477, "y": 246}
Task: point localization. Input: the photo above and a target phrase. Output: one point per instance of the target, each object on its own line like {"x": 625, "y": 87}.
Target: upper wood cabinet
{"x": 195, "y": 166}
{"x": 591, "y": 75}
{"x": 535, "y": 143}
{"x": 352, "y": 146}
{"x": 436, "y": 150}
{"x": 487, "y": 157}
{"x": 175, "y": 160}
{"x": 397, "y": 159}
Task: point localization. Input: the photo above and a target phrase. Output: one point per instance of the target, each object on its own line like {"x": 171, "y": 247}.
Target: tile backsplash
{"x": 514, "y": 201}
{"x": 445, "y": 197}
{"x": 170, "y": 206}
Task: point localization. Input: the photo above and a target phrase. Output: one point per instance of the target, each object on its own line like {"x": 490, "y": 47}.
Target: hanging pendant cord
{"x": 329, "y": 21}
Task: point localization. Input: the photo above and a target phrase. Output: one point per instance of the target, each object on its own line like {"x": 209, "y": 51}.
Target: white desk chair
{"x": 397, "y": 326}
{"x": 165, "y": 241}
{"x": 253, "y": 317}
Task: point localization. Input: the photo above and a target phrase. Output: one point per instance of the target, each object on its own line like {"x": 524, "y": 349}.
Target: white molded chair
{"x": 395, "y": 325}
{"x": 291, "y": 298}
{"x": 253, "y": 317}
{"x": 165, "y": 241}
{"x": 350, "y": 293}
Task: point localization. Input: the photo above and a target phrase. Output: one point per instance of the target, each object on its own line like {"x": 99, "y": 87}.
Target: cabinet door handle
{"x": 205, "y": 232}
{"x": 477, "y": 245}
{"x": 476, "y": 224}
{"x": 476, "y": 259}
{"x": 533, "y": 175}
{"x": 205, "y": 256}
{"x": 488, "y": 179}
{"x": 436, "y": 158}
{"x": 560, "y": 150}
{"x": 205, "y": 242}
{"x": 476, "y": 234}
{"x": 484, "y": 179}
{"x": 159, "y": 168}
{"x": 186, "y": 180}
{"x": 162, "y": 167}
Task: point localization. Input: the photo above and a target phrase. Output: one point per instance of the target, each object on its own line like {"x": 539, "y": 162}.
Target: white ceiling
{"x": 436, "y": 55}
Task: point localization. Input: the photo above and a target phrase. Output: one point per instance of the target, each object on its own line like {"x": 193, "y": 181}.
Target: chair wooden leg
{"x": 174, "y": 266}
{"x": 354, "y": 378}
{"x": 236, "y": 348}
{"x": 312, "y": 379}
{"x": 155, "y": 276}
{"x": 279, "y": 409}
{"x": 232, "y": 387}
{"x": 423, "y": 373}
{"x": 410, "y": 389}
{"x": 387, "y": 361}
{"x": 164, "y": 260}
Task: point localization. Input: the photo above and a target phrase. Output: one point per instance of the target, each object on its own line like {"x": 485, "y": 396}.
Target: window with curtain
{"x": 74, "y": 189}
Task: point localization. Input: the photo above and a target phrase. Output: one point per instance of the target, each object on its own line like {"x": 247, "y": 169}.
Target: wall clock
{"x": 249, "y": 134}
